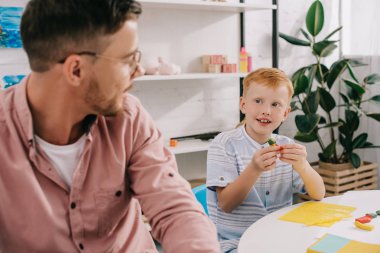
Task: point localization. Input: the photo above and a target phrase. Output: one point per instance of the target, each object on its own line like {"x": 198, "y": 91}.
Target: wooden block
{"x": 214, "y": 68}
{"x": 229, "y": 68}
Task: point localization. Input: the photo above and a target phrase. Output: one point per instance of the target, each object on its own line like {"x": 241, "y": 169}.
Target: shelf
{"x": 190, "y": 76}
{"x": 205, "y": 5}
{"x": 188, "y": 146}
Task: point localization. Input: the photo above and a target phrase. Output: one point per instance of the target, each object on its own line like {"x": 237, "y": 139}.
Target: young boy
{"x": 247, "y": 178}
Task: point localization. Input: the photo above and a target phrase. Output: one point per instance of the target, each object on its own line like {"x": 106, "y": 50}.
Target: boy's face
{"x": 265, "y": 109}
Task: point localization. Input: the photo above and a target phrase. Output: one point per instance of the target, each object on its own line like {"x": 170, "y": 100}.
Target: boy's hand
{"x": 265, "y": 159}
{"x": 295, "y": 154}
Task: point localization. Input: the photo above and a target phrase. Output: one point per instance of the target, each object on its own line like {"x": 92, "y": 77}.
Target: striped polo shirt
{"x": 228, "y": 156}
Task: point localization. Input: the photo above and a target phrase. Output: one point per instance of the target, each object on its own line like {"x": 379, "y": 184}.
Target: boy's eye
{"x": 257, "y": 101}
{"x": 276, "y": 104}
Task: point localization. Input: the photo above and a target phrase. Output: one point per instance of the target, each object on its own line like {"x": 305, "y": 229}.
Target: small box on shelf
{"x": 217, "y": 64}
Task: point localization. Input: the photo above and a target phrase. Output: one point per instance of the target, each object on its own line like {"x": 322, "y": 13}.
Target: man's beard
{"x": 96, "y": 101}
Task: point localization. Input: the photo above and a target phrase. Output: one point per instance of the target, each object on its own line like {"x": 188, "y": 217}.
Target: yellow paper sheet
{"x": 318, "y": 214}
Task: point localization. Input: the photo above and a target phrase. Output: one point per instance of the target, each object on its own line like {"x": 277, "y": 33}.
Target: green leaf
{"x": 359, "y": 141}
{"x": 352, "y": 120}
{"x": 356, "y": 63}
{"x": 351, "y": 71}
{"x": 326, "y": 101}
{"x": 324, "y": 48}
{"x": 322, "y": 157}
{"x": 329, "y": 150}
{"x": 301, "y": 85}
{"x": 315, "y": 18}
{"x": 355, "y": 86}
{"x": 343, "y": 141}
{"x": 305, "y": 34}
{"x": 355, "y": 160}
{"x": 368, "y": 145}
{"x": 294, "y": 40}
{"x": 335, "y": 71}
{"x": 375, "y": 116}
{"x": 299, "y": 73}
{"x": 307, "y": 123}
{"x": 325, "y": 72}
{"x": 310, "y": 103}
{"x": 306, "y": 137}
{"x": 322, "y": 120}
{"x": 375, "y": 99}
{"x": 372, "y": 79}
{"x": 312, "y": 73}
{"x": 332, "y": 33}
{"x": 293, "y": 106}
{"x": 344, "y": 97}
{"x": 345, "y": 130}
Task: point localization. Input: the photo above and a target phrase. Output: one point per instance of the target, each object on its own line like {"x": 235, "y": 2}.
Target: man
{"x": 79, "y": 155}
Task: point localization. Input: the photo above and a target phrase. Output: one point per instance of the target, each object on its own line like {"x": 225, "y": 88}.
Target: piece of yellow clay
{"x": 365, "y": 226}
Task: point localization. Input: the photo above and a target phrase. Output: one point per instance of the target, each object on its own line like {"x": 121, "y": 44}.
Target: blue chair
{"x": 200, "y": 193}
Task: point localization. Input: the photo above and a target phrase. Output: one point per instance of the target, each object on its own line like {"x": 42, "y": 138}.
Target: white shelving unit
{"x": 206, "y": 5}
{"x": 190, "y": 76}
{"x": 189, "y": 146}
{"x": 219, "y": 8}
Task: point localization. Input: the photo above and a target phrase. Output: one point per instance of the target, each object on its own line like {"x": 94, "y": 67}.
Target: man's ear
{"x": 242, "y": 105}
{"x": 73, "y": 70}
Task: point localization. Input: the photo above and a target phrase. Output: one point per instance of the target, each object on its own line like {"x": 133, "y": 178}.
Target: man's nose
{"x": 139, "y": 71}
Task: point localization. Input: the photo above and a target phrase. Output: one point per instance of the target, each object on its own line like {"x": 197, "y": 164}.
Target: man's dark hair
{"x": 53, "y": 29}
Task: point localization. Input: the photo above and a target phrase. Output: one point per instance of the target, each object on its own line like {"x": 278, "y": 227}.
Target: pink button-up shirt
{"x": 124, "y": 169}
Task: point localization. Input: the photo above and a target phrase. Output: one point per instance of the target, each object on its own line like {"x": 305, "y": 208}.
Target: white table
{"x": 271, "y": 235}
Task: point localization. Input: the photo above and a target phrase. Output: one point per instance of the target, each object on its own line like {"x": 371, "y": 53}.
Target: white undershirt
{"x": 64, "y": 158}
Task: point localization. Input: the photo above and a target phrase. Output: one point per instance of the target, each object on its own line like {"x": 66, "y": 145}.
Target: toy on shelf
{"x": 217, "y": 64}
{"x": 157, "y": 66}
{"x": 243, "y": 62}
{"x": 173, "y": 143}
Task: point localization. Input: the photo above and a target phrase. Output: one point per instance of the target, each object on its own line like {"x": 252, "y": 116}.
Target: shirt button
{"x": 118, "y": 193}
{"x": 73, "y": 205}
{"x": 267, "y": 193}
{"x": 221, "y": 178}
{"x": 81, "y": 246}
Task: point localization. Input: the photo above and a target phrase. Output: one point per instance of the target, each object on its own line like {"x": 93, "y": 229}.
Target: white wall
{"x": 361, "y": 34}
{"x": 186, "y": 107}
{"x": 189, "y": 107}
{"x": 292, "y": 15}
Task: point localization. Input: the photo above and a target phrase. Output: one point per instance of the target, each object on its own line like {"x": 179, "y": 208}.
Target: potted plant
{"x": 313, "y": 96}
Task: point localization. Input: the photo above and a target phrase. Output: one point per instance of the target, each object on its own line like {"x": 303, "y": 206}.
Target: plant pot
{"x": 334, "y": 166}
{"x": 339, "y": 178}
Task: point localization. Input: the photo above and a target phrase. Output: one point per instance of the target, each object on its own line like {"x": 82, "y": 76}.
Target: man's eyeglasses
{"x": 132, "y": 59}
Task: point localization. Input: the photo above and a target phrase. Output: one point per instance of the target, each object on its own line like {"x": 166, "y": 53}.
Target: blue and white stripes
{"x": 228, "y": 155}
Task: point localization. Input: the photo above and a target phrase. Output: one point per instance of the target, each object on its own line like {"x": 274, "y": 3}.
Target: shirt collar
{"x": 254, "y": 143}
{"x": 21, "y": 107}
{"x": 24, "y": 115}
